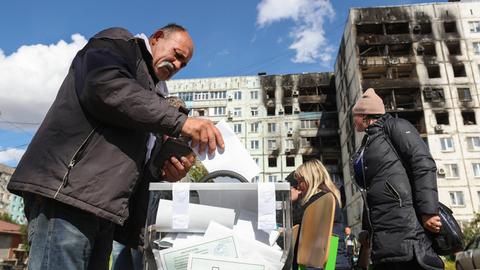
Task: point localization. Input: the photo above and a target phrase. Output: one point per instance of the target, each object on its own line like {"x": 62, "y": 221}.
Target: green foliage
{"x": 449, "y": 264}
{"x": 197, "y": 172}
{"x": 471, "y": 229}
{"x": 7, "y": 217}
{"x": 23, "y": 228}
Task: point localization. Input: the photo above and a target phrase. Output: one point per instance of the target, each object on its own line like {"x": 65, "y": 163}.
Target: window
{"x": 288, "y": 144}
{"x": 476, "y": 48}
{"x": 272, "y": 162}
{"x": 288, "y": 127}
{"x": 474, "y": 26}
{"x": 442, "y": 118}
{"x": 257, "y": 160}
{"x": 256, "y": 179}
{"x": 237, "y": 128}
{"x": 459, "y": 70}
{"x": 453, "y": 47}
{"x": 450, "y": 27}
{"x": 469, "y": 118}
{"x": 433, "y": 71}
{"x": 464, "y": 94}
{"x": 456, "y": 198}
{"x": 308, "y": 124}
{"x": 254, "y": 111}
{"x": 218, "y": 110}
{"x": 447, "y": 144}
{"x": 426, "y": 49}
{"x": 290, "y": 161}
{"x": 186, "y": 96}
{"x": 473, "y": 143}
{"x": 237, "y": 95}
{"x": 253, "y": 94}
{"x": 237, "y": 112}
{"x": 272, "y": 127}
{"x": 272, "y": 144}
{"x": 272, "y": 178}
{"x": 254, "y": 144}
{"x": 218, "y": 95}
{"x": 451, "y": 170}
{"x": 200, "y": 96}
{"x": 254, "y": 127}
{"x": 476, "y": 169}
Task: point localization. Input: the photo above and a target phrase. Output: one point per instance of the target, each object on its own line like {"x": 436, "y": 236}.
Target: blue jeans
{"x": 64, "y": 237}
{"x": 124, "y": 258}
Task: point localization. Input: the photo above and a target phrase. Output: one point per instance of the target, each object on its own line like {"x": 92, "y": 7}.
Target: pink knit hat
{"x": 369, "y": 103}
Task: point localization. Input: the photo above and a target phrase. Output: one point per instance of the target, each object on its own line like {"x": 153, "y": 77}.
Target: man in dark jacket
{"x": 82, "y": 174}
{"x": 397, "y": 176}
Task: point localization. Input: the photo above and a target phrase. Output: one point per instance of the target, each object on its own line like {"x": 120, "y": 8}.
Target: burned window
{"x": 371, "y": 50}
{"x": 272, "y": 162}
{"x": 433, "y": 71}
{"x": 400, "y": 49}
{"x": 459, "y": 70}
{"x": 450, "y": 27}
{"x": 422, "y": 28}
{"x": 442, "y": 118}
{"x": 270, "y": 111}
{"x": 397, "y": 28}
{"x": 464, "y": 94}
{"x": 433, "y": 95}
{"x": 290, "y": 161}
{"x": 469, "y": 118}
{"x": 453, "y": 47}
{"x": 376, "y": 29}
{"x": 426, "y": 49}
{"x": 288, "y": 109}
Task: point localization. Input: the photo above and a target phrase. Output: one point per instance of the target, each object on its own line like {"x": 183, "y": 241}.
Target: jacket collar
{"x": 378, "y": 125}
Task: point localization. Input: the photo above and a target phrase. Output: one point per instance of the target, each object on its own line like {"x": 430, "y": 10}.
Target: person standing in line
{"x": 397, "y": 177}
{"x": 82, "y": 175}
{"x": 351, "y": 244}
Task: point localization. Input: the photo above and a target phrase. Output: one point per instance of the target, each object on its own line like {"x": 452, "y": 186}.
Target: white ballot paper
{"x": 206, "y": 262}
{"x": 176, "y": 258}
{"x": 181, "y": 200}
{"x": 199, "y": 217}
{"x": 233, "y": 158}
{"x": 266, "y": 206}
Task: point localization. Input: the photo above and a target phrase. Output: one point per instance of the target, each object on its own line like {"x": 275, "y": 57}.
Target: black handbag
{"x": 450, "y": 238}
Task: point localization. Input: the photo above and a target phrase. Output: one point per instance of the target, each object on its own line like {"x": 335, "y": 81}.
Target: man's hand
{"x": 174, "y": 170}
{"x": 203, "y": 133}
{"x": 432, "y": 223}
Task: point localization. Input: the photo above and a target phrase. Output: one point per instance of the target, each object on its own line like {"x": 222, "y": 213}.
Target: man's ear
{"x": 158, "y": 34}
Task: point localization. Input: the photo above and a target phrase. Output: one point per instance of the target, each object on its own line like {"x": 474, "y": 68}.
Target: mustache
{"x": 166, "y": 64}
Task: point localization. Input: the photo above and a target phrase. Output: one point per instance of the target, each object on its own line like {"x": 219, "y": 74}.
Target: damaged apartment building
{"x": 424, "y": 61}
{"x": 282, "y": 120}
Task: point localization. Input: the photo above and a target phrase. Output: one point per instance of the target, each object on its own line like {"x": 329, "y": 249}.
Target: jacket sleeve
{"x": 422, "y": 170}
{"x": 108, "y": 91}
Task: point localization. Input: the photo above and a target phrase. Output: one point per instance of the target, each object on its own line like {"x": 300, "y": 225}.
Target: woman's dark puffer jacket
{"x": 395, "y": 203}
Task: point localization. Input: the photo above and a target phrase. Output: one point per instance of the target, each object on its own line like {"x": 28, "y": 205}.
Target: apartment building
{"x": 10, "y": 203}
{"x": 424, "y": 61}
{"x": 283, "y": 120}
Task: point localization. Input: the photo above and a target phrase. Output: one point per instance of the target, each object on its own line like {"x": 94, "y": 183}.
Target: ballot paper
{"x": 199, "y": 217}
{"x": 176, "y": 258}
{"x": 266, "y": 206}
{"x": 233, "y": 158}
{"x": 181, "y": 199}
{"x": 206, "y": 262}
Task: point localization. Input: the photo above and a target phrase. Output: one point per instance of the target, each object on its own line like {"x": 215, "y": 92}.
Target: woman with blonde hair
{"x": 314, "y": 181}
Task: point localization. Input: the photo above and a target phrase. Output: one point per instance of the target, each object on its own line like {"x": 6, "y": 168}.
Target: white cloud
{"x": 11, "y": 155}
{"x": 30, "y": 78}
{"x": 308, "y": 34}
{"x": 223, "y": 52}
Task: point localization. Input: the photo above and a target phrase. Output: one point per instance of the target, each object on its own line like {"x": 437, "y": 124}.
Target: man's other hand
{"x": 174, "y": 169}
{"x": 432, "y": 223}
{"x": 203, "y": 134}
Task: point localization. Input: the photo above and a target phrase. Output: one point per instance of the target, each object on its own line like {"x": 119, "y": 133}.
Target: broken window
{"x": 422, "y": 28}
{"x": 433, "y": 95}
{"x": 464, "y": 94}
{"x": 288, "y": 109}
{"x": 272, "y": 162}
{"x": 450, "y": 27}
{"x": 310, "y": 107}
{"x": 270, "y": 93}
{"x": 469, "y": 118}
{"x": 459, "y": 70}
{"x": 433, "y": 71}
{"x": 426, "y": 49}
{"x": 400, "y": 49}
{"x": 270, "y": 111}
{"x": 442, "y": 118}
{"x": 287, "y": 92}
{"x": 371, "y": 50}
{"x": 290, "y": 161}
{"x": 397, "y": 28}
{"x": 453, "y": 47}
{"x": 376, "y": 29}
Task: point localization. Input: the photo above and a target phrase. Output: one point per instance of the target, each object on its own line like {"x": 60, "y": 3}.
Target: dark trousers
{"x": 410, "y": 265}
{"x": 63, "y": 237}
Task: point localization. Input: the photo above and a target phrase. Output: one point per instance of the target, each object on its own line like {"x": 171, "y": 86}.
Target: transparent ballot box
{"x": 223, "y": 229}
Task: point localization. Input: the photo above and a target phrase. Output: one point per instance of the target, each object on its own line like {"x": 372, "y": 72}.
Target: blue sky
{"x": 232, "y": 38}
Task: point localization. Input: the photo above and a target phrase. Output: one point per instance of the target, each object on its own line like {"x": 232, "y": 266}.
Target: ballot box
{"x": 221, "y": 226}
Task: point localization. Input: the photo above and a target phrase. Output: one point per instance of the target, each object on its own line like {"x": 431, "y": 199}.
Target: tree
{"x": 7, "y": 217}
{"x": 471, "y": 229}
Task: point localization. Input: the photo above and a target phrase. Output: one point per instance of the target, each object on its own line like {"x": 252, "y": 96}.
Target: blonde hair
{"x": 318, "y": 179}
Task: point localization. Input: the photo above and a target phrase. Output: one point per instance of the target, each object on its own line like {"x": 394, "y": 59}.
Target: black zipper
{"x": 73, "y": 161}
{"x": 394, "y": 193}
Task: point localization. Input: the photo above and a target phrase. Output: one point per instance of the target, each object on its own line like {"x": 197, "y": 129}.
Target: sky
{"x": 232, "y": 38}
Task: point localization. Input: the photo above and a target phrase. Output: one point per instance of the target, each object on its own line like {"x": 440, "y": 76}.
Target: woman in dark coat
{"x": 397, "y": 176}
{"x": 313, "y": 181}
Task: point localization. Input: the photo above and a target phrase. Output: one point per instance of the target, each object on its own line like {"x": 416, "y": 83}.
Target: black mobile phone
{"x": 172, "y": 147}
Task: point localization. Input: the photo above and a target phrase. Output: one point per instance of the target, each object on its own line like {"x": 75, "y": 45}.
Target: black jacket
{"x": 398, "y": 193}
{"x": 89, "y": 151}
